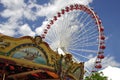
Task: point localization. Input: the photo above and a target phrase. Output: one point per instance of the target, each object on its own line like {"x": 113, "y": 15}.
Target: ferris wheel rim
{"x": 89, "y": 11}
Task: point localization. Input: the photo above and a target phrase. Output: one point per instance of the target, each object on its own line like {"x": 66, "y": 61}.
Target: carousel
{"x": 29, "y": 58}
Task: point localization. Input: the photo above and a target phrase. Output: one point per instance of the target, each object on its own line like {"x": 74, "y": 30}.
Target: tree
{"x": 96, "y": 76}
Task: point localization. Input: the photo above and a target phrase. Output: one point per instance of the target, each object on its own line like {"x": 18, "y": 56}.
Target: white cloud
{"x": 110, "y": 61}
{"x": 8, "y": 32}
{"x": 113, "y": 73}
{"x": 14, "y": 8}
{"x": 12, "y": 13}
{"x": 107, "y": 61}
{"x": 28, "y": 12}
{"x": 50, "y": 9}
{"x": 26, "y": 30}
{"x": 89, "y": 65}
{"x": 15, "y": 11}
{"x": 8, "y": 28}
{"x": 39, "y": 30}
{"x": 19, "y": 9}
{"x": 13, "y": 4}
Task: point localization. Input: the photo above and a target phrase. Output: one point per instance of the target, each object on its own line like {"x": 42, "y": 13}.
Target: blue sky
{"x": 28, "y": 17}
{"x": 109, "y": 12}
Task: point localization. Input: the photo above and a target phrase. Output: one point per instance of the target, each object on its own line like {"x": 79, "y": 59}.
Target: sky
{"x": 28, "y": 17}
{"x": 109, "y": 11}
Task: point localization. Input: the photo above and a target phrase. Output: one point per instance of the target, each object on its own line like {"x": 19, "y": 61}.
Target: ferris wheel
{"x": 77, "y": 30}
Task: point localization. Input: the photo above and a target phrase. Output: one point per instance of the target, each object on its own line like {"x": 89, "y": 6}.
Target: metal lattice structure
{"x": 78, "y": 30}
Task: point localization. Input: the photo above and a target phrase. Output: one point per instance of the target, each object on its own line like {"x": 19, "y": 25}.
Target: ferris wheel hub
{"x": 61, "y": 51}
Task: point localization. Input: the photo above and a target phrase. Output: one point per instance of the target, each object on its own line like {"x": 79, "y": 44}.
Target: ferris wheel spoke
{"x": 84, "y": 39}
{"x": 49, "y": 40}
{"x": 83, "y": 13}
{"x": 82, "y": 33}
{"x": 88, "y": 34}
{"x": 85, "y": 44}
{"x": 89, "y": 29}
{"x": 79, "y": 55}
{"x": 87, "y": 69}
{"x": 89, "y": 44}
{"x": 93, "y": 36}
{"x": 88, "y": 23}
{"x": 87, "y": 40}
{"x": 85, "y": 18}
{"x": 83, "y": 27}
{"x": 53, "y": 34}
{"x": 50, "y": 37}
{"x": 89, "y": 37}
{"x": 75, "y": 59}
{"x": 84, "y": 50}
{"x": 65, "y": 23}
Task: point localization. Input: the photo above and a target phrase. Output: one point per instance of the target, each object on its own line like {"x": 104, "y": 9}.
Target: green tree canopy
{"x": 96, "y": 76}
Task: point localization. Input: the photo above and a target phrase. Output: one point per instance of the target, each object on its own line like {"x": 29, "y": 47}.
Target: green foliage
{"x": 96, "y": 76}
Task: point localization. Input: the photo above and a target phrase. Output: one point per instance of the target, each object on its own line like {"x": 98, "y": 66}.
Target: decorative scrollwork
{"x": 38, "y": 40}
{"x": 4, "y": 44}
